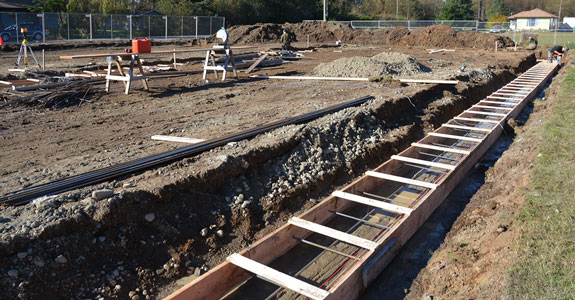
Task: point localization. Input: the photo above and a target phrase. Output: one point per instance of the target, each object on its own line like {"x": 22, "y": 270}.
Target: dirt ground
{"x": 150, "y": 231}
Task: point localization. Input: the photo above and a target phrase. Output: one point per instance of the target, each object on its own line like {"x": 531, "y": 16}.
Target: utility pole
{"x": 324, "y": 10}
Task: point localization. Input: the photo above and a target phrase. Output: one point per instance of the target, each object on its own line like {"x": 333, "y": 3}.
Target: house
{"x": 535, "y": 19}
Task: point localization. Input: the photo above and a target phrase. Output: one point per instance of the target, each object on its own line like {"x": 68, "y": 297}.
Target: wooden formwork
{"x": 403, "y": 191}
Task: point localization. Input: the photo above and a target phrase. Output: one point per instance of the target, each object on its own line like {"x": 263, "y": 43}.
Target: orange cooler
{"x": 141, "y": 46}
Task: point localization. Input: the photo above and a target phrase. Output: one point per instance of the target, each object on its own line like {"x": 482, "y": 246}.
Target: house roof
{"x": 534, "y": 13}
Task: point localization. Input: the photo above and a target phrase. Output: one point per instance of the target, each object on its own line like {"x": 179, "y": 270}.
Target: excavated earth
{"x": 165, "y": 226}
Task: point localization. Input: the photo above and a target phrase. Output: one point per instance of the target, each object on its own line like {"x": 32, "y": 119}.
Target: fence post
{"x": 112, "y": 27}
{"x": 17, "y": 30}
{"x": 90, "y": 18}
{"x": 182, "y": 33}
{"x": 211, "y": 18}
{"x": 224, "y": 22}
{"x": 408, "y": 24}
{"x": 130, "y": 17}
{"x": 68, "y": 23}
{"x": 42, "y": 15}
{"x": 378, "y": 24}
{"x": 476, "y": 25}
{"x": 149, "y": 27}
{"x": 196, "y": 17}
{"x": 166, "y": 27}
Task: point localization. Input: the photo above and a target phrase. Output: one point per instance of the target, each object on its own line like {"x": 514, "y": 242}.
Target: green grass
{"x": 545, "y": 268}
{"x": 546, "y": 39}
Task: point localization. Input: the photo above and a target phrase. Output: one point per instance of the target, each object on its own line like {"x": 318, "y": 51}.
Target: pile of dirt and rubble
{"x": 383, "y": 64}
{"x": 441, "y": 36}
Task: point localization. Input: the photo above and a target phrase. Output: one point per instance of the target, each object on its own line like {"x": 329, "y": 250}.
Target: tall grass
{"x": 546, "y": 265}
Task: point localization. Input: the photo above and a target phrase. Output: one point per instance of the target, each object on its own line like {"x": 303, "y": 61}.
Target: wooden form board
{"x": 375, "y": 203}
{"x": 390, "y": 177}
{"x": 349, "y": 284}
{"x": 278, "y": 278}
{"x": 423, "y": 162}
{"x": 123, "y": 54}
{"x": 334, "y": 234}
{"x": 455, "y": 137}
{"x": 438, "y": 148}
{"x": 492, "y": 107}
{"x": 467, "y": 127}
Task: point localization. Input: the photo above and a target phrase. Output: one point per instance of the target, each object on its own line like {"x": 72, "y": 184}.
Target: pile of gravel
{"x": 385, "y": 63}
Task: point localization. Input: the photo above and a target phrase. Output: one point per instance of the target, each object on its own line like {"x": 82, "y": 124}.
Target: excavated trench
{"x": 138, "y": 242}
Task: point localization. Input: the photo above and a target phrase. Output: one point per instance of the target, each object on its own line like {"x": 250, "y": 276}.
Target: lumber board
{"x": 310, "y": 78}
{"x": 124, "y": 54}
{"x": 485, "y": 113}
{"x": 432, "y": 81}
{"x": 512, "y": 103}
{"x": 423, "y": 162}
{"x": 256, "y": 63}
{"x": 467, "y": 127}
{"x": 478, "y": 120}
{"x": 504, "y": 98}
{"x": 334, "y": 234}
{"x": 375, "y": 203}
{"x": 492, "y": 107}
{"x": 390, "y": 177}
{"x": 439, "y": 148}
{"x": 278, "y": 277}
{"x": 176, "y": 139}
{"x": 455, "y": 137}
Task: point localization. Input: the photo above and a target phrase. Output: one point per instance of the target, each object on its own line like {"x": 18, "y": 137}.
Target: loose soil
{"x": 148, "y": 235}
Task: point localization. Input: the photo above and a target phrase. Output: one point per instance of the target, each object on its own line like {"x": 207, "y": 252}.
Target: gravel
{"x": 385, "y": 63}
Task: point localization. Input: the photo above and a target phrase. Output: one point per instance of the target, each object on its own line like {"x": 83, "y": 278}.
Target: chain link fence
{"x": 45, "y": 27}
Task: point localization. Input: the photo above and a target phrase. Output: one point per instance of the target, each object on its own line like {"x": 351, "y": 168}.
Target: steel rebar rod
{"x": 26, "y": 195}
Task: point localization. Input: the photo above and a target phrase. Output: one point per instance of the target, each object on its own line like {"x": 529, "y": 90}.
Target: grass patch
{"x": 545, "y": 39}
{"x": 545, "y": 268}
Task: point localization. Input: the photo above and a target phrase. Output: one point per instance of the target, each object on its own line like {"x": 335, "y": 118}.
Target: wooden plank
{"x": 513, "y": 103}
{"x": 439, "y": 148}
{"x": 517, "y": 94}
{"x": 492, "y": 107}
{"x": 390, "y": 177}
{"x": 278, "y": 277}
{"x": 375, "y": 203}
{"x": 123, "y": 54}
{"x": 256, "y": 63}
{"x": 485, "y": 113}
{"x": 334, "y": 234}
{"x": 455, "y": 137}
{"x": 478, "y": 120}
{"x": 432, "y": 81}
{"x": 466, "y": 127}
{"x": 311, "y": 78}
{"x": 503, "y": 98}
{"x": 176, "y": 139}
{"x": 423, "y": 162}
{"x": 376, "y": 265}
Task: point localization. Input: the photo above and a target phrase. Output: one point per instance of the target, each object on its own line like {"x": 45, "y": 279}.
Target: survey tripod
{"x": 24, "y": 49}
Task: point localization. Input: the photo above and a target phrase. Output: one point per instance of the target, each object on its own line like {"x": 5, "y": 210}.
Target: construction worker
{"x": 557, "y": 52}
{"x": 285, "y": 39}
{"x": 532, "y": 44}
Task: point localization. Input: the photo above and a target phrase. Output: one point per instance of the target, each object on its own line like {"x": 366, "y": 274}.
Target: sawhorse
{"x": 210, "y": 62}
{"x": 123, "y": 77}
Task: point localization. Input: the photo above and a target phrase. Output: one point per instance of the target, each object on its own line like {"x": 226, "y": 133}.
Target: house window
{"x": 531, "y": 22}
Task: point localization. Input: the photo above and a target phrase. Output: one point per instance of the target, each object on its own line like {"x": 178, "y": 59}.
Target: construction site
{"x": 228, "y": 168}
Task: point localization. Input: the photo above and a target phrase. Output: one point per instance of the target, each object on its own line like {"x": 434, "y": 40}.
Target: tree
{"x": 430, "y": 9}
{"x": 457, "y": 10}
{"x": 48, "y": 6}
{"x": 497, "y": 7}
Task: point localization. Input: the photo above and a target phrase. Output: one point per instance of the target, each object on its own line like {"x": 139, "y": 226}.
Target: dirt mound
{"x": 443, "y": 36}
{"x": 385, "y": 63}
{"x": 317, "y": 32}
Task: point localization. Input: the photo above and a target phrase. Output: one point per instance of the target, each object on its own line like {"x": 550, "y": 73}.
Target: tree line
{"x": 279, "y": 11}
